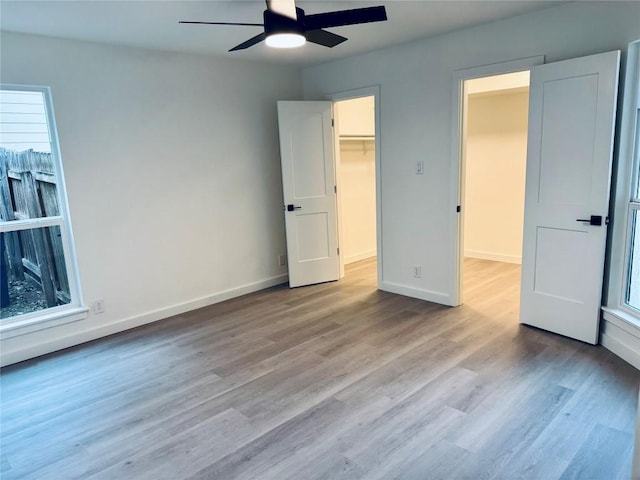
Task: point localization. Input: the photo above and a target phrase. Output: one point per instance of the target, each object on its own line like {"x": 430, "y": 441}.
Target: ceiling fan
{"x": 287, "y": 26}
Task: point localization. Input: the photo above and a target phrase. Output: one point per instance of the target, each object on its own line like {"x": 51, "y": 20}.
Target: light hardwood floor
{"x": 333, "y": 381}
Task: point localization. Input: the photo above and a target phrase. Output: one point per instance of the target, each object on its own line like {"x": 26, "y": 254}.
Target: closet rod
{"x": 357, "y": 137}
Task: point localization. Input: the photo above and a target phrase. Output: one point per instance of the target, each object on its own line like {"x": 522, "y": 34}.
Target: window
{"x": 632, "y": 290}
{"x": 623, "y": 286}
{"x": 38, "y": 278}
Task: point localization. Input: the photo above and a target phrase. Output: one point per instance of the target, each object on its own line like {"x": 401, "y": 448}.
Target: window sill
{"x": 41, "y": 322}
{"x": 622, "y": 319}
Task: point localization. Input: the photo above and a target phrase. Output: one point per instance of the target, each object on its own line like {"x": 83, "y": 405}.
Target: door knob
{"x": 594, "y": 220}
{"x": 291, "y": 207}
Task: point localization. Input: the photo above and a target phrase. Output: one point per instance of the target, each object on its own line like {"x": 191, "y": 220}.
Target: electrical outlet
{"x": 282, "y": 260}
{"x": 98, "y": 306}
{"x": 417, "y": 271}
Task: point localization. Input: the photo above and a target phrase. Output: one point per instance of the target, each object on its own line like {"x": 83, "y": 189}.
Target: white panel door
{"x": 572, "y": 108}
{"x": 308, "y": 181}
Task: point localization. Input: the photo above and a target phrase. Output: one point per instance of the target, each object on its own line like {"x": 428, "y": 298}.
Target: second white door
{"x": 309, "y": 190}
{"x": 571, "y": 123}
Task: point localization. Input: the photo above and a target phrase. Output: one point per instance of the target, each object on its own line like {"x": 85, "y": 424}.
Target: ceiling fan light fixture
{"x": 285, "y": 40}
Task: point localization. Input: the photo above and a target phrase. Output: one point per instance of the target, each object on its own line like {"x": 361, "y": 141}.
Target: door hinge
{"x": 335, "y": 189}
{"x": 338, "y": 249}
{"x": 332, "y": 122}
{"x": 458, "y": 209}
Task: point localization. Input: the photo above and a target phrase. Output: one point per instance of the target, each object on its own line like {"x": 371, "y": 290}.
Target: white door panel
{"x": 312, "y": 232}
{"x": 571, "y": 123}
{"x": 566, "y": 178}
{"x": 308, "y": 179}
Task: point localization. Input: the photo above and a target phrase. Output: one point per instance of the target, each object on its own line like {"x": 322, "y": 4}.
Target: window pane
{"x": 633, "y": 288}
{"x": 33, "y": 274}
{"x": 27, "y": 175}
{"x": 23, "y": 121}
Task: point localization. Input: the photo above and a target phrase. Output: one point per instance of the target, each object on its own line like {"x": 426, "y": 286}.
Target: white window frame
{"x": 75, "y": 310}
{"x": 624, "y": 206}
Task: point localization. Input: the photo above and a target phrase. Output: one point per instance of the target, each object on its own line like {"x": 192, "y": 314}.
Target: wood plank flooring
{"x": 333, "y": 381}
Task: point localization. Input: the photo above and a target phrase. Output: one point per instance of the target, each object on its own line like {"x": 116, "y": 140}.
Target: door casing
{"x": 457, "y": 159}
{"x": 373, "y": 91}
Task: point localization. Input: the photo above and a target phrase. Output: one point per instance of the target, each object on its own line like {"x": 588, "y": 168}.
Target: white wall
{"x": 173, "y": 175}
{"x": 415, "y": 83}
{"x": 495, "y": 158}
{"x": 357, "y": 178}
{"x": 357, "y": 184}
{"x": 356, "y": 116}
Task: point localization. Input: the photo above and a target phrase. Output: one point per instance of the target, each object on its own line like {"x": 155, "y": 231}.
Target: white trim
{"x": 457, "y": 103}
{"x": 419, "y": 293}
{"x": 46, "y": 319}
{"x": 9, "y": 357}
{"x": 620, "y": 336}
{"x": 31, "y": 224}
{"x": 359, "y": 256}
{"x": 619, "y": 348}
{"x": 624, "y": 320}
{"x": 68, "y": 245}
{"x": 337, "y": 161}
{"x": 372, "y": 91}
{"x": 494, "y": 257}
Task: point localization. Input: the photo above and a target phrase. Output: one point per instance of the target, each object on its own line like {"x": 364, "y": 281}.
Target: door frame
{"x": 372, "y": 91}
{"x": 458, "y": 124}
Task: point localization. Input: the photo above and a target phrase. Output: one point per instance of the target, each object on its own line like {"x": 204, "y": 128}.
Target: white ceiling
{"x": 154, "y": 24}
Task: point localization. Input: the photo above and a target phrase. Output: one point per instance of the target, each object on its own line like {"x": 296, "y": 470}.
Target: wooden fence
{"x": 28, "y": 190}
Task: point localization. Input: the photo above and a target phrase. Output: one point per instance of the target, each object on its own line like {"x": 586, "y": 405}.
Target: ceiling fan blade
{"x": 249, "y": 43}
{"x": 345, "y": 17}
{"x": 324, "y": 38}
{"x": 225, "y": 23}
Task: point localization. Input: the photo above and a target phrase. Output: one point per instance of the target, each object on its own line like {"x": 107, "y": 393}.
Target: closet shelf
{"x": 368, "y": 142}
{"x": 357, "y": 137}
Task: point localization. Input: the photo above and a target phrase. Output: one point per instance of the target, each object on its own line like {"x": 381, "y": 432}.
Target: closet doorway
{"x": 493, "y": 184}
{"x": 356, "y": 182}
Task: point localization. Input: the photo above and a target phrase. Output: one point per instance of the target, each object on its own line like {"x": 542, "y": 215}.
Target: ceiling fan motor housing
{"x": 276, "y": 23}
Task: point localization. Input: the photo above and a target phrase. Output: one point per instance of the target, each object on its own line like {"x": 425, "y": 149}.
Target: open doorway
{"x": 493, "y": 169}
{"x": 356, "y": 180}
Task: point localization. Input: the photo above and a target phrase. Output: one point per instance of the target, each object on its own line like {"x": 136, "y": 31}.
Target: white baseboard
{"x": 620, "y": 337}
{"x": 621, "y": 350}
{"x": 42, "y": 348}
{"x": 422, "y": 294}
{"x": 359, "y": 256}
{"x": 496, "y": 257}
